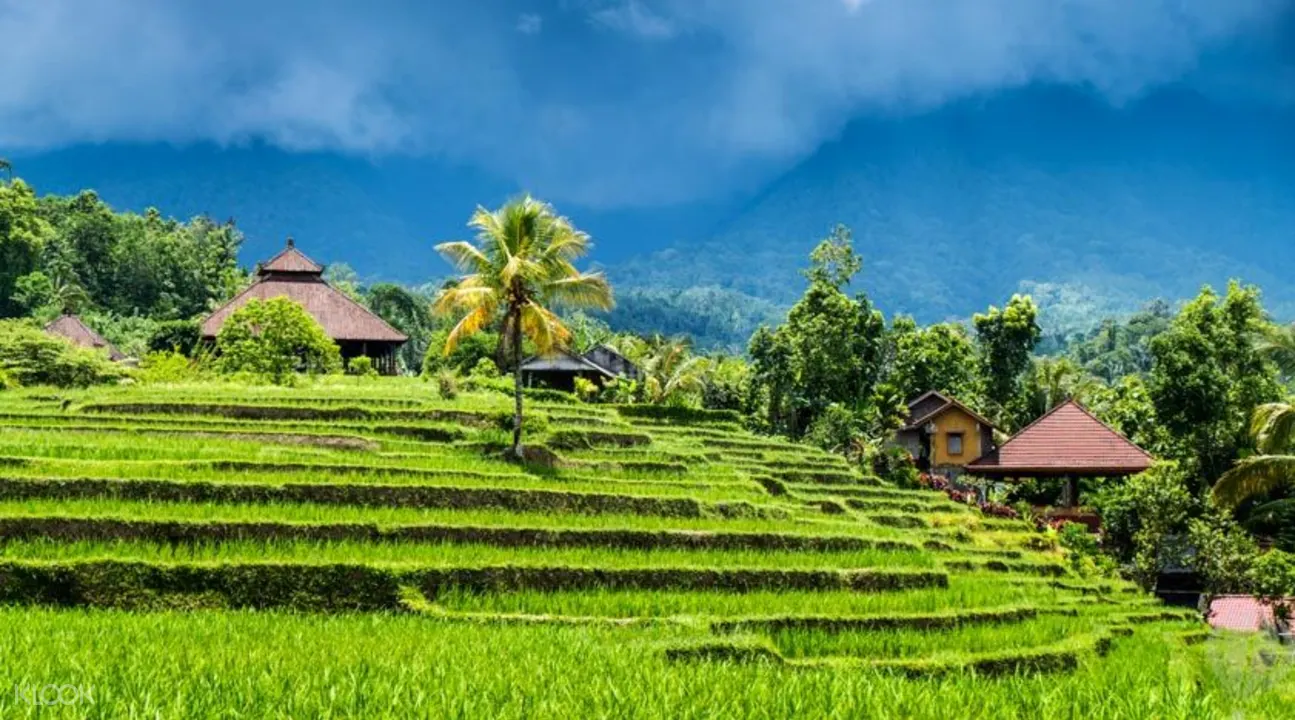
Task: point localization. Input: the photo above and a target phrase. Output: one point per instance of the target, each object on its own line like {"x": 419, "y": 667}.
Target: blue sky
{"x": 610, "y": 104}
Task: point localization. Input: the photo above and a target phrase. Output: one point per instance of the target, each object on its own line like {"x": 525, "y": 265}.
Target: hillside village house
{"x": 558, "y": 370}
{"x": 75, "y": 329}
{"x": 355, "y": 329}
{"x": 943, "y": 435}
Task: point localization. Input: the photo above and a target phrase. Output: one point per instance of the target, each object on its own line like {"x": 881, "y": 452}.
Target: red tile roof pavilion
{"x": 1068, "y": 441}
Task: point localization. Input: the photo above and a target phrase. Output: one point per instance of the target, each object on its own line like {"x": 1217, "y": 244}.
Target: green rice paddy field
{"x": 360, "y": 549}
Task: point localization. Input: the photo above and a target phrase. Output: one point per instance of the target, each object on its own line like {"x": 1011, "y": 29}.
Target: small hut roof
{"x": 563, "y": 361}
{"x": 932, "y": 404}
{"x": 72, "y": 328}
{"x": 291, "y": 260}
{"x": 289, "y": 274}
{"x": 1067, "y": 440}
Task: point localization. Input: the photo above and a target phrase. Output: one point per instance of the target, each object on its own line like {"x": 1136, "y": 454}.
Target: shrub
{"x": 274, "y": 339}
{"x": 7, "y": 381}
{"x": 587, "y": 390}
{"x": 895, "y": 465}
{"x": 168, "y": 366}
{"x": 175, "y": 335}
{"x": 361, "y": 365}
{"x": 485, "y": 368}
{"x": 447, "y": 386}
{"x": 1273, "y": 577}
{"x": 1224, "y": 554}
{"x": 30, "y": 356}
{"x": 1084, "y": 552}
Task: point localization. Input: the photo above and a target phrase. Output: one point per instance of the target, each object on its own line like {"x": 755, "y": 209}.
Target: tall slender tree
{"x": 517, "y": 268}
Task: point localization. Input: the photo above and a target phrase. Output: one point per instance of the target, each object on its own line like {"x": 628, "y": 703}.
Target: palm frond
{"x": 1273, "y": 427}
{"x": 1254, "y": 476}
{"x": 586, "y": 290}
{"x": 543, "y": 328}
{"x": 464, "y": 256}
{"x": 469, "y": 294}
{"x": 469, "y": 325}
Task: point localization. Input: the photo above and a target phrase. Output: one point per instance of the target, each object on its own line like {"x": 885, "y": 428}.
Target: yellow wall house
{"x": 943, "y": 435}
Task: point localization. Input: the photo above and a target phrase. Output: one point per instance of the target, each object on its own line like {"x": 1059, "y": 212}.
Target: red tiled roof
{"x": 72, "y": 328}
{"x": 1241, "y": 612}
{"x": 291, "y": 260}
{"x": 1068, "y": 440}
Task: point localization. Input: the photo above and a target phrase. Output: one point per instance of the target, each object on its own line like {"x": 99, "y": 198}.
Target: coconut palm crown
{"x": 519, "y": 267}
{"x": 1273, "y": 429}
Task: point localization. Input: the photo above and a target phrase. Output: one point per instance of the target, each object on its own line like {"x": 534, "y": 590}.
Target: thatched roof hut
{"x": 74, "y": 329}
{"x": 293, "y": 275}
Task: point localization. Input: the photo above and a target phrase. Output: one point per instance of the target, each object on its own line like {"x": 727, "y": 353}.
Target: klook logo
{"x": 53, "y": 694}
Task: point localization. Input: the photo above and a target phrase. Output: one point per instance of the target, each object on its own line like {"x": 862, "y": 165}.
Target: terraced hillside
{"x": 361, "y": 549}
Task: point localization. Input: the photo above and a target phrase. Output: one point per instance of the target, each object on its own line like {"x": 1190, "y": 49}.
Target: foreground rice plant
{"x": 659, "y": 564}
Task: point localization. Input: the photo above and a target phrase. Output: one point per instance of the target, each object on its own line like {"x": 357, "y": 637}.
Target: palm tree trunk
{"x": 517, "y": 387}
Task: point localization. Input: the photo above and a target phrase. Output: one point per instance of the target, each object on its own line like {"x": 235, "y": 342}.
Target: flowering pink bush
{"x": 965, "y": 497}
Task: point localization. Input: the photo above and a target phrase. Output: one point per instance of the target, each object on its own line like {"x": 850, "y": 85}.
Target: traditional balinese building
{"x": 74, "y": 329}
{"x": 1067, "y": 442}
{"x": 943, "y": 435}
{"x": 558, "y": 370}
{"x": 291, "y": 274}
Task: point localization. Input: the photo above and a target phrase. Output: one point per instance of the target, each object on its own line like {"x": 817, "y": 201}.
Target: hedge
{"x": 679, "y": 414}
{"x": 516, "y": 500}
{"x": 72, "y": 529}
{"x": 333, "y": 587}
{"x": 569, "y": 439}
{"x": 303, "y": 412}
{"x": 839, "y": 624}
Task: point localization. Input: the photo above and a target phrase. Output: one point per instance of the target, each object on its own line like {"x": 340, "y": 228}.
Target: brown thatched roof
{"x": 72, "y": 328}
{"x": 291, "y": 260}
{"x": 292, "y": 275}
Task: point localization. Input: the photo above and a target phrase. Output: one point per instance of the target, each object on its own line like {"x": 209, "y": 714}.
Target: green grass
{"x": 450, "y": 555}
{"x": 216, "y": 664}
{"x": 442, "y": 580}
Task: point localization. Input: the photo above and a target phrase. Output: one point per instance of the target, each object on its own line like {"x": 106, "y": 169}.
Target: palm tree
{"x": 1273, "y": 428}
{"x": 671, "y": 371}
{"x": 519, "y": 265}
{"x": 1277, "y": 343}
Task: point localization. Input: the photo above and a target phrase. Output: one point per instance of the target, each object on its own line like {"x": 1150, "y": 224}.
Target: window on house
{"x": 955, "y": 443}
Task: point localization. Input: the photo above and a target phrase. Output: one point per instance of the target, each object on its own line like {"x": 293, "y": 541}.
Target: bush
{"x": 894, "y": 465}
{"x": 485, "y": 368}
{"x": 587, "y": 390}
{"x": 180, "y": 336}
{"x": 1273, "y": 578}
{"x": 361, "y": 365}
{"x": 274, "y": 339}
{"x": 30, "y": 356}
{"x": 447, "y": 386}
{"x": 1084, "y": 552}
{"x": 168, "y": 366}
{"x": 1224, "y": 554}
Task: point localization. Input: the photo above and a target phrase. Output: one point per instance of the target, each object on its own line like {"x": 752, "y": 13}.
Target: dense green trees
{"x": 1006, "y": 338}
{"x": 938, "y": 357}
{"x": 274, "y": 339}
{"x": 518, "y": 267}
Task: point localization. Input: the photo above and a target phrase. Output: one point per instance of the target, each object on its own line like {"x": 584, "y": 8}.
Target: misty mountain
{"x": 1094, "y": 208}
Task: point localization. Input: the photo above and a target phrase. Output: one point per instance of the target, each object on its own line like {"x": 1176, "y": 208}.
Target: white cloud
{"x": 530, "y": 24}
{"x": 725, "y": 86}
{"x": 634, "y": 17}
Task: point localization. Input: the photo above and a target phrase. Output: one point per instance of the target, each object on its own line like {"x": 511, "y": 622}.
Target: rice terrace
{"x": 647, "y": 359}
{"x": 348, "y": 549}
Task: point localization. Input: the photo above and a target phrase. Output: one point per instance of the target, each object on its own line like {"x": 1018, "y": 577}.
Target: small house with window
{"x": 944, "y": 435}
